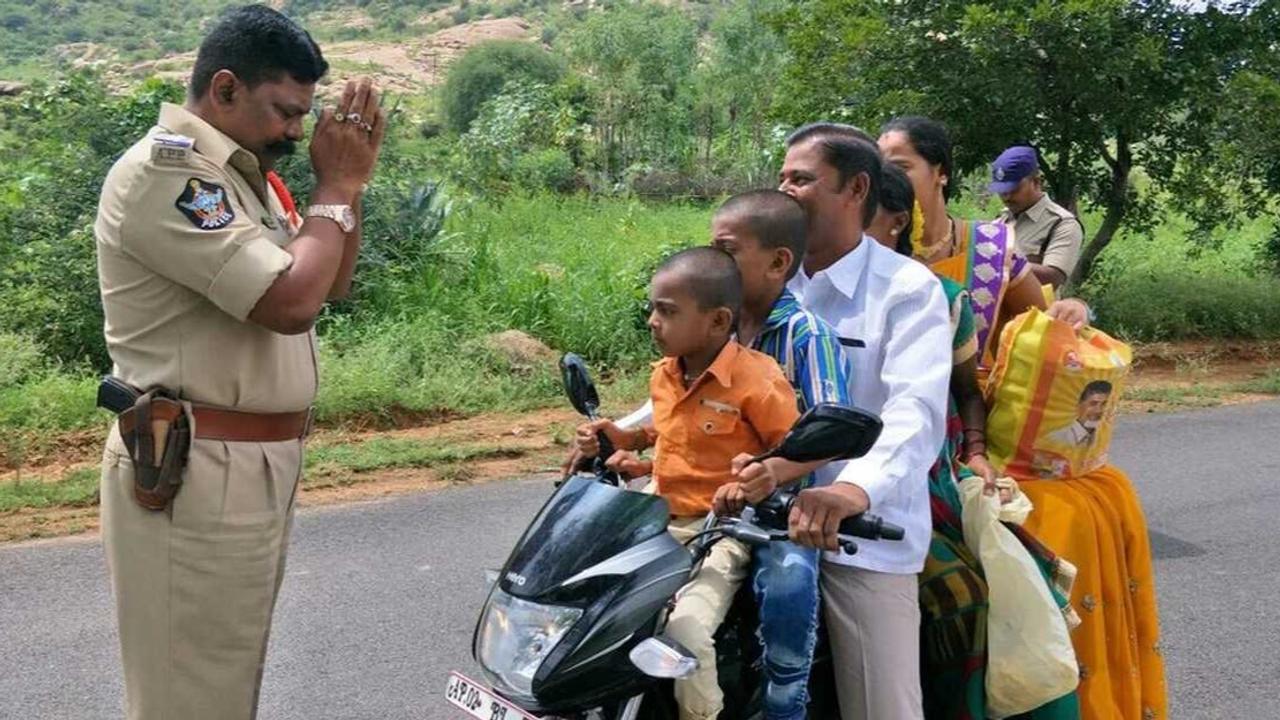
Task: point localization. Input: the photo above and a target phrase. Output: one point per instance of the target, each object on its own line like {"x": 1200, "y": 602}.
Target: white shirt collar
{"x": 844, "y": 273}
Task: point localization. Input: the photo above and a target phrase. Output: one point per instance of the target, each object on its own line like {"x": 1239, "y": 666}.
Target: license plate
{"x": 478, "y": 701}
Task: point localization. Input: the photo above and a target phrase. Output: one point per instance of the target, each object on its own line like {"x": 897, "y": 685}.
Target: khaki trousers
{"x": 700, "y": 609}
{"x": 873, "y": 622}
{"x": 195, "y": 586}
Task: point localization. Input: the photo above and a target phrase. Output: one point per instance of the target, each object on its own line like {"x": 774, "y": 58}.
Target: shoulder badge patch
{"x": 205, "y": 204}
{"x": 167, "y": 149}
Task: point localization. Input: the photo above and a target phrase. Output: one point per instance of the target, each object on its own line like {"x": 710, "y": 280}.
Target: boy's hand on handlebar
{"x": 729, "y": 499}
{"x": 628, "y": 464}
{"x": 817, "y": 513}
{"x": 760, "y": 480}
{"x": 757, "y": 480}
{"x": 571, "y": 463}
{"x": 589, "y": 444}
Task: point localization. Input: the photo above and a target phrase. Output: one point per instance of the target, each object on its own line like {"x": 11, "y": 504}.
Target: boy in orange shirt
{"x": 712, "y": 400}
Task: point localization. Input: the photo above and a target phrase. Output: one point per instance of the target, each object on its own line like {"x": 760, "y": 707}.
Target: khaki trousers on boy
{"x": 195, "y": 585}
{"x": 700, "y": 609}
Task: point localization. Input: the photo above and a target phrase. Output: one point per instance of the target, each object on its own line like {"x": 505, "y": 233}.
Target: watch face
{"x": 348, "y": 219}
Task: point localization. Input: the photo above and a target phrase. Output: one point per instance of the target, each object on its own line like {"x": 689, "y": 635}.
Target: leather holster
{"x": 157, "y": 434}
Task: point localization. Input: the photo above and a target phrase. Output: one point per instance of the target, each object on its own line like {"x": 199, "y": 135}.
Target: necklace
{"x": 929, "y": 253}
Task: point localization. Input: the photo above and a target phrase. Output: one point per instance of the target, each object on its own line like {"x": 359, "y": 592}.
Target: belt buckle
{"x": 309, "y": 424}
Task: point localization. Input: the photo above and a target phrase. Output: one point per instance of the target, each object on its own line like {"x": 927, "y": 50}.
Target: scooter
{"x": 571, "y": 628}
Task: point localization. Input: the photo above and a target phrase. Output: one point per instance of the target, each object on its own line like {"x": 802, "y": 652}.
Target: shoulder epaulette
{"x": 170, "y": 149}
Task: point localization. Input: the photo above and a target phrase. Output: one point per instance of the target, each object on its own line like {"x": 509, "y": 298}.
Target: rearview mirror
{"x": 578, "y": 386}
{"x": 829, "y": 431}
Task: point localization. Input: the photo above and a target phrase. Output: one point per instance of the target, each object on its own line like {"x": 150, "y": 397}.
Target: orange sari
{"x": 1096, "y": 522}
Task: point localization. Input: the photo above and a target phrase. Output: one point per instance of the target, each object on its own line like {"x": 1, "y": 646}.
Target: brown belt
{"x": 214, "y": 423}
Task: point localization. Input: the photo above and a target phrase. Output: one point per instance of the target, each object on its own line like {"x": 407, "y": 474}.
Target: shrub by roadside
{"x": 1170, "y": 306}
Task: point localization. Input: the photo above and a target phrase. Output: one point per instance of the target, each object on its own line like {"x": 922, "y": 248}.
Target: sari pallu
{"x": 986, "y": 265}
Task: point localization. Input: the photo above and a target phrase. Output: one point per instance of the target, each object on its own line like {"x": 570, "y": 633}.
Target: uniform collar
{"x": 721, "y": 368}
{"x": 1038, "y": 208}
{"x": 209, "y": 141}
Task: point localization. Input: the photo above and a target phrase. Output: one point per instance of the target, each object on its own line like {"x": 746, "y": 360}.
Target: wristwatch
{"x": 341, "y": 214}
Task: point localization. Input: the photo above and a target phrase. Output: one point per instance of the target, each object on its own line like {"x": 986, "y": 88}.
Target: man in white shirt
{"x": 891, "y": 315}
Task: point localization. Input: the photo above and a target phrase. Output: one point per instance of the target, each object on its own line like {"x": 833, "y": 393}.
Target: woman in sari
{"x": 953, "y": 591}
{"x": 1095, "y": 521}
{"x": 978, "y": 255}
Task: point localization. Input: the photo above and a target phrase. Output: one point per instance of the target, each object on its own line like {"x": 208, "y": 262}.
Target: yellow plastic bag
{"x": 1052, "y": 396}
{"x": 1030, "y": 660}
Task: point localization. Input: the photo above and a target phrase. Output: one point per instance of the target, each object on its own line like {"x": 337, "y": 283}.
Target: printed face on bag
{"x": 1093, "y": 404}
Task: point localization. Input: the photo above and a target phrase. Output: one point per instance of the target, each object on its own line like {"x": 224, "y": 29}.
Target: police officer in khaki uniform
{"x": 210, "y": 290}
{"x": 1046, "y": 233}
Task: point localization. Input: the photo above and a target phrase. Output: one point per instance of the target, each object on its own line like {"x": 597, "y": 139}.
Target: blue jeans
{"x": 786, "y": 586}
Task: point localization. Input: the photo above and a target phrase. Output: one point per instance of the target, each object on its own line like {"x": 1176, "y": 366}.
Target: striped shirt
{"x": 808, "y": 351}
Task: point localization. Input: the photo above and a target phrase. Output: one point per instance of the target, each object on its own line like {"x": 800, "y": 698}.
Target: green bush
{"x": 51, "y": 402}
{"x": 419, "y": 365}
{"x": 57, "y": 142}
{"x": 485, "y": 69}
{"x": 21, "y": 359}
{"x": 546, "y": 169}
{"x": 1171, "y": 306}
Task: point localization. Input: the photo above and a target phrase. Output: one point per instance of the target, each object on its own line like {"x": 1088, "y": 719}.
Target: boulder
{"x": 521, "y": 349}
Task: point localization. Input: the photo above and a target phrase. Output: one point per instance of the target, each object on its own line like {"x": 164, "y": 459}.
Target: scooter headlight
{"x": 516, "y": 636}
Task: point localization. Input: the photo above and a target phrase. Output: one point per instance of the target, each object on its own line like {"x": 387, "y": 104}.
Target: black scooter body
{"x": 605, "y": 550}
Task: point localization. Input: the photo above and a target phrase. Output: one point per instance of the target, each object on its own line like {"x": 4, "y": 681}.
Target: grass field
{"x": 571, "y": 271}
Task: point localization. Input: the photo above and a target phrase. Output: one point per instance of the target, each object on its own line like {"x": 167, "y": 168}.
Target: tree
{"x": 57, "y": 142}
{"x": 735, "y": 88}
{"x": 639, "y": 59}
{"x": 485, "y": 69}
{"x": 1101, "y": 87}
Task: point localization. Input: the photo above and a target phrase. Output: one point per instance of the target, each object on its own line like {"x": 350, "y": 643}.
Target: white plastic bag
{"x": 1030, "y": 660}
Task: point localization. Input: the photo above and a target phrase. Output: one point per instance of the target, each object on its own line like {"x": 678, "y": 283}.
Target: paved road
{"x": 381, "y": 597}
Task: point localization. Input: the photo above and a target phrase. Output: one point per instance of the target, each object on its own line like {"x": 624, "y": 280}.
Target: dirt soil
{"x": 404, "y": 66}
{"x": 535, "y": 442}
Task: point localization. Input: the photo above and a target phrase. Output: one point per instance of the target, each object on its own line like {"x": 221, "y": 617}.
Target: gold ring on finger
{"x": 340, "y": 116}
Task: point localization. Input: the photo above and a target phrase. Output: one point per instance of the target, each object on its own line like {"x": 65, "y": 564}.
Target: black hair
{"x": 897, "y": 195}
{"x": 710, "y": 275}
{"x": 931, "y": 141}
{"x": 774, "y": 218}
{"x": 258, "y": 44}
{"x": 1097, "y": 387}
{"x": 851, "y": 152}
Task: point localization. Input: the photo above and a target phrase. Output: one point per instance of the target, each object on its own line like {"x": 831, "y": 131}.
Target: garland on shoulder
{"x": 918, "y": 248}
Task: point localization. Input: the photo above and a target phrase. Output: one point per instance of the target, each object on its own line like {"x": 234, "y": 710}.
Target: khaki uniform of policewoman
{"x": 189, "y": 238}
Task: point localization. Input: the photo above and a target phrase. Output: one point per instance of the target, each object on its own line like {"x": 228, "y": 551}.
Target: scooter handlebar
{"x": 775, "y": 509}
{"x": 872, "y": 527}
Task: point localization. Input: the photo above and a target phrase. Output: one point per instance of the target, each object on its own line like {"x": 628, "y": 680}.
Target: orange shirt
{"x": 741, "y": 404}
